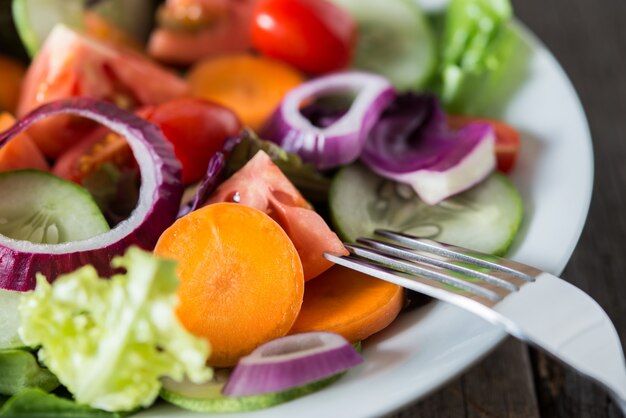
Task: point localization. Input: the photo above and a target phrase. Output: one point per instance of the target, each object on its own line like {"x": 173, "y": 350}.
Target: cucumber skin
{"x": 514, "y": 230}
{"x": 245, "y": 403}
{"x": 499, "y": 251}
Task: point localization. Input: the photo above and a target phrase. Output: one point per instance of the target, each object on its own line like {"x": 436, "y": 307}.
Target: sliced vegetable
{"x": 232, "y": 261}
{"x": 19, "y": 370}
{"x": 95, "y": 150}
{"x": 109, "y": 341}
{"x": 483, "y": 57}
{"x": 208, "y": 397}
{"x": 342, "y": 141}
{"x": 43, "y": 209}
{"x": 348, "y": 303}
{"x": 291, "y": 361}
{"x": 21, "y": 152}
{"x": 211, "y": 180}
{"x": 311, "y": 183}
{"x": 35, "y": 19}
{"x": 11, "y": 73}
{"x": 260, "y": 184}
{"x": 159, "y": 200}
{"x": 197, "y": 129}
{"x": 411, "y": 143}
{"x": 190, "y": 30}
{"x": 485, "y": 218}
{"x": 507, "y": 139}
{"x": 313, "y": 35}
{"x": 395, "y": 40}
{"x": 35, "y": 403}
{"x": 9, "y": 319}
{"x": 70, "y": 65}
{"x": 249, "y": 85}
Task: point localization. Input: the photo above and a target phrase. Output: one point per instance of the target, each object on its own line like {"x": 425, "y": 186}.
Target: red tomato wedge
{"x": 507, "y": 139}
{"x": 70, "y": 64}
{"x": 261, "y": 185}
{"x": 313, "y": 35}
{"x": 20, "y": 152}
{"x": 88, "y": 155}
{"x": 193, "y": 29}
{"x": 196, "y": 128}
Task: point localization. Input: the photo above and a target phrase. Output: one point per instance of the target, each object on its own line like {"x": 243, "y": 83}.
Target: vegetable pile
{"x": 171, "y": 185}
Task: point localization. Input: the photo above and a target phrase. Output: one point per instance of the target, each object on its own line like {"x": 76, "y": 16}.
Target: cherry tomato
{"x": 507, "y": 139}
{"x": 197, "y": 129}
{"x": 313, "y": 35}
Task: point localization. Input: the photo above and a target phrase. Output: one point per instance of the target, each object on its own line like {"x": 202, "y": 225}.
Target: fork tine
{"x": 519, "y": 270}
{"x": 423, "y": 271}
{"x": 419, "y": 284}
{"x": 410, "y": 255}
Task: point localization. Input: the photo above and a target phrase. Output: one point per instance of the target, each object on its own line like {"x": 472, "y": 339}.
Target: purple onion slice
{"x": 292, "y": 361}
{"x": 340, "y": 140}
{"x": 159, "y": 199}
{"x": 411, "y": 143}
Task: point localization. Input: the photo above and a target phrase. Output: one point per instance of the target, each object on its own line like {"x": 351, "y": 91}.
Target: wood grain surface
{"x": 588, "y": 37}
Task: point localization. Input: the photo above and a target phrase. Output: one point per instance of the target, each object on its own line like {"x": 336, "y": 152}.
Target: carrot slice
{"x": 241, "y": 280}
{"x": 349, "y": 303}
{"x": 11, "y": 73}
{"x": 20, "y": 152}
{"x": 251, "y": 86}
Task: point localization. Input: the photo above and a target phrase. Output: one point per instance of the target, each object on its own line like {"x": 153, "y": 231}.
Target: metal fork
{"x": 532, "y": 305}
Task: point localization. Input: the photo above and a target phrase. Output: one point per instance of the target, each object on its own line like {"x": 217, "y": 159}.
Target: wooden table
{"x": 588, "y": 38}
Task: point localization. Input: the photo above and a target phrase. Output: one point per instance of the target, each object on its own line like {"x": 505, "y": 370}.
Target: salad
{"x": 174, "y": 173}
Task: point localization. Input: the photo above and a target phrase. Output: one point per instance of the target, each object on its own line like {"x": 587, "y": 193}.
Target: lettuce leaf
{"x": 19, "y": 370}
{"x": 483, "y": 56}
{"x": 109, "y": 341}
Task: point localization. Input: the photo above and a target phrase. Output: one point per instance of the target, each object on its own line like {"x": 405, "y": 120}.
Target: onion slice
{"x": 291, "y": 361}
{"x": 159, "y": 200}
{"x": 340, "y": 142}
{"x": 411, "y": 143}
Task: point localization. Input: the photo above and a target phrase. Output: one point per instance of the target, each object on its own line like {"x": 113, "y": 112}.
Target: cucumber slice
{"x": 35, "y": 19}
{"x": 208, "y": 397}
{"x": 395, "y": 40}
{"x": 485, "y": 218}
{"x": 10, "y": 319}
{"x": 41, "y": 208}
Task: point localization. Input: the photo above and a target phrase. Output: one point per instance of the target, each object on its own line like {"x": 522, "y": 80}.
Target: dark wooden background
{"x": 588, "y": 37}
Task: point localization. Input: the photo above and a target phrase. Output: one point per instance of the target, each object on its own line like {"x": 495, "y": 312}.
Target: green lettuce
{"x": 110, "y": 341}
{"x": 483, "y": 56}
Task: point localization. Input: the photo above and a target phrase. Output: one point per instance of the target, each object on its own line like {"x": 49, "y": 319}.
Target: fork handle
{"x": 567, "y": 323}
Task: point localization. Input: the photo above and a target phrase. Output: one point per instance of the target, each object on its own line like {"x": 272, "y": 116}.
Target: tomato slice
{"x": 20, "y": 152}
{"x": 196, "y": 128}
{"x": 193, "y": 29}
{"x": 91, "y": 153}
{"x": 70, "y": 64}
{"x": 315, "y": 36}
{"x": 260, "y": 184}
{"x": 507, "y": 139}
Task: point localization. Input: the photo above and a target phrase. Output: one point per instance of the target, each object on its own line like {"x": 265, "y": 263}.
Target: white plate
{"x": 426, "y": 348}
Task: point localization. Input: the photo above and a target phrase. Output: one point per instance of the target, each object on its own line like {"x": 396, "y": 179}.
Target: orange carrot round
{"x": 241, "y": 280}
{"x": 11, "y": 73}
{"x": 349, "y": 303}
{"x": 20, "y": 152}
{"x": 251, "y": 86}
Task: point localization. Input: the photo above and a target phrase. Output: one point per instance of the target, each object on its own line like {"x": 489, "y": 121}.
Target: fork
{"x": 531, "y": 305}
